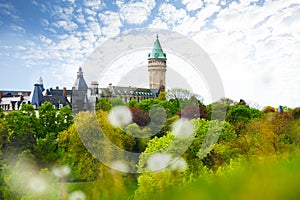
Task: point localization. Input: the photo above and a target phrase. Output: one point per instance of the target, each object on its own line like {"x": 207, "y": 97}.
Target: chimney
{"x": 65, "y": 92}
{"x": 1, "y": 95}
{"x": 110, "y": 87}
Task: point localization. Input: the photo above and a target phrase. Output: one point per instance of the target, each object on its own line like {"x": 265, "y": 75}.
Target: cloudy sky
{"x": 255, "y": 45}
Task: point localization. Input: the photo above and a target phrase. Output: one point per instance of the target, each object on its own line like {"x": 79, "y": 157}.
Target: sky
{"x": 255, "y": 45}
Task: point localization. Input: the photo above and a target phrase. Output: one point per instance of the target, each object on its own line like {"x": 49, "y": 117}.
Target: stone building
{"x": 82, "y": 97}
{"x": 157, "y": 66}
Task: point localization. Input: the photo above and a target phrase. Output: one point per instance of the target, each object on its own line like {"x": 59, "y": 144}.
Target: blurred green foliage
{"x": 251, "y": 154}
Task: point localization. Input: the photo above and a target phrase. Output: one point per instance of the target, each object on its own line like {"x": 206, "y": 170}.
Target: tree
{"x": 139, "y": 117}
{"x": 146, "y": 105}
{"x": 172, "y": 107}
{"x": 227, "y": 101}
{"x": 180, "y": 93}
{"x": 73, "y": 153}
{"x": 192, "y": 112}
{"x": 48, "y": 119}
{"x": 268, "y": 109}
{"x": 103, "y": 104}
{"x": 239, "y": 113}
{"x": 133, "y": 103}
{"x": 217, "y": 111}
{"x": 65, "y": 118}
{"x": 296, "y": 113}
{"x": 117, "y": 102}
{"x": 142, "y": 136}
{"x": 23, "y": 128}
{"x": 162, "y": 96}
{"x": 1, "y": 113}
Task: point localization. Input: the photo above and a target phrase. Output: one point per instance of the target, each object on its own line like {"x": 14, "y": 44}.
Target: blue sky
{"x": 255, "y": 45}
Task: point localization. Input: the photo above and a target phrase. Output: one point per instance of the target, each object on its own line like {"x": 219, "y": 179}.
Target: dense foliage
{"x": 226, "y": 149}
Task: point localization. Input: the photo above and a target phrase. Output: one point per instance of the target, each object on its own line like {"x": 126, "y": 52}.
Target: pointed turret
{"x": 37, "y": 96}
{"x": 157, "y": 51}
{"x": 80, "y": 83}
{"x": 79, "y": 93}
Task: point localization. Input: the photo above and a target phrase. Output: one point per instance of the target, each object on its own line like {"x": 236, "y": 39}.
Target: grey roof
{"x": 80, "y": 83}
{"x": 58, "y": 92}
{"x": 12, "y": 93}
{"x": 57, "y": 100}
{"x": 37, "y": 97}
{"x": 130, "y": 91}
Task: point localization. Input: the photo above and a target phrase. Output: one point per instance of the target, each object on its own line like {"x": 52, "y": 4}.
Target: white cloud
{"x": 66, "y": 25}
{"x": 255, "y": 51}
{"x": 80, "y": 19}
{"x": 171, "y": 15}
{"x": 44, "y": 22}
{"x": 90, "y": 12}
{"x": 17, "y": 28}
{"x": 8, "y": 9}
{"x": 112, "y": 23}
{"x": 192, "y": 4}
{"x": 94, "y": 26}
{"x": 255, "y": 48}
{"x": 136, "y": 12}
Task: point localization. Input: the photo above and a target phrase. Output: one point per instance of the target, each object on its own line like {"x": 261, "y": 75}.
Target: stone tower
{"x": 157, "y": 66}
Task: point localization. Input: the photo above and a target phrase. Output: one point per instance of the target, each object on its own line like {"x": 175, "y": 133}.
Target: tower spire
{"x": 157, "y": 66}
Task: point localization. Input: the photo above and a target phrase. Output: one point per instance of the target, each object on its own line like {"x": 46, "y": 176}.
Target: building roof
{"x": 57, "y": 100}
{"x": 157, "y": 51}
{"x": 12, "y": 93}
{"x": 37, "y": 96}
{"x": 58, "y": 92}
{"x": 80, "y": 83}
{"x": 130, "y": 91}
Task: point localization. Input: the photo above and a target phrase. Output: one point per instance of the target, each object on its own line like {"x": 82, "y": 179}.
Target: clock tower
{"x": 157, "y": 66}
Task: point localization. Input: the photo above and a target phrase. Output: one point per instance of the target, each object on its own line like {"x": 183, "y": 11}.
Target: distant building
{"x": 12, "y": 100}
{"x": 82, "y": 97}
{"x": 58, "y": 98}
{"x": 157, "y": 81}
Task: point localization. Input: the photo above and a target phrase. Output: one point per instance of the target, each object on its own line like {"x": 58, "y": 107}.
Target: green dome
{"x": 157, "y": 51}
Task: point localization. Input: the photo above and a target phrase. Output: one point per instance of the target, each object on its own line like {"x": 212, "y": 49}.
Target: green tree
{"x": 296, "y": 113}
{"x": 1, "y": 113}
{"x": 84, "y": 167}
{"x": 65, "y": 118}
{"x": 22, "y": 127}
{"x": 48, "y": 119}
{"x": 117, "y": 102}
{"x": 103, "y": 104}
{"x": 162, "y": 96}
{"x": 142, "y": 136}
{"x": 133, "y": 103}
{"x": 146, "y": 105}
